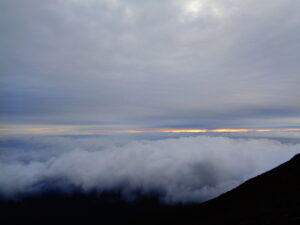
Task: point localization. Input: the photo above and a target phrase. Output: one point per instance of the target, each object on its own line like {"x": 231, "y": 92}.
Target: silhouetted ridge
{"x": 270, "y": 198}
{"x": 296, "y": 158}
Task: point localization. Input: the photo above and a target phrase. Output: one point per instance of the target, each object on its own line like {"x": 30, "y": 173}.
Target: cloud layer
{"x": 187, "y": 169}
{"x": 150, "y": 63}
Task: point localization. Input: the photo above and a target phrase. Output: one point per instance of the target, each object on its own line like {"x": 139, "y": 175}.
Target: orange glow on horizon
{"x": 263, "y": 130}
{"x": 223, "y": 130}
{"x": 184, "y": 131}
{"x": 91, "y": 130}
{"x": 229, "y": 130}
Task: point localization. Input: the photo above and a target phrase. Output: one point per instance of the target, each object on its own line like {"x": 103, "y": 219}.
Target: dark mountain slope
{"x": 271, "y": 198}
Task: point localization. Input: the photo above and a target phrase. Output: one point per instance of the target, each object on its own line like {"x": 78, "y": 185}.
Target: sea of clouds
{"x": 185, "y": 169}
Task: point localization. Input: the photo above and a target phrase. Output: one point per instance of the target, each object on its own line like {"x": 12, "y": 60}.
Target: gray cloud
{"x": 151, "y": 63}
{"x": 187, "y": 169}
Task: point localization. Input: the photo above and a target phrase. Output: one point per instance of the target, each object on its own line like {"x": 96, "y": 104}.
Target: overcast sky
{"x": 158, "y": 63}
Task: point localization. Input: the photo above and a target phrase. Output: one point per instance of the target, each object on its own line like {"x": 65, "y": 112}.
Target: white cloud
{"x": 189, "y": 169}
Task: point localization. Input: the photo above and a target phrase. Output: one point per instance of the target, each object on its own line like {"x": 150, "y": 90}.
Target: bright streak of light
{"x": 229, "y": 130}
{"x": 263, "y": 130}
{"x": 223, "y": 130}
{"x": 183, "y": 131}
{"x": 94, "y": 130}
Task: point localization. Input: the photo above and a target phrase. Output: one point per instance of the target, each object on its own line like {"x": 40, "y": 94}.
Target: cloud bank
{"x": 187, "y": 169}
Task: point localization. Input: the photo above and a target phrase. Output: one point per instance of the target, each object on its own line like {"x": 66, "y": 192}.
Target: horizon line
{"x": 94, "y": 130}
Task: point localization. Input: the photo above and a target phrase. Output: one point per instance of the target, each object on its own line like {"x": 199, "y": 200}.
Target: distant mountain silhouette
{"x": 270, "y": 198}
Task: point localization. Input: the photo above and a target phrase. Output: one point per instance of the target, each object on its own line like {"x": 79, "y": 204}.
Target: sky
{"x": 186, "y": 98}
{"x": 127, "y": 64}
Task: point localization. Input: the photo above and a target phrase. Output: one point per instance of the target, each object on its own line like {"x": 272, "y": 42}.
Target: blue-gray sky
{"x": 159, "y": 63}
